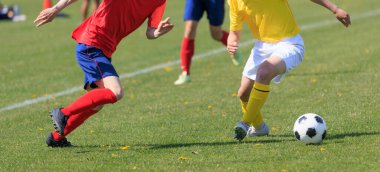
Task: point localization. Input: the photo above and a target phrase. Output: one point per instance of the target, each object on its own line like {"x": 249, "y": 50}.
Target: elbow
{"x": 150, "y": 35}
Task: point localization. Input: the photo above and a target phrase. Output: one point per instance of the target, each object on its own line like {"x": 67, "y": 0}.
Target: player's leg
{"x": 282, "y": 57}
{"x": 253, "y": 95}
{"x": 95, "y": 4}
{"x": 109, "y": 92}
{"x": 215, "y": 14}
{"x": 218, "y": 34}
{"x": 193, "y": 13}
{"x": 99, "y": 72}
{"x": 84, "y": 9}
{"x": 188, "y": 47}
{"x": 76, "y": 120}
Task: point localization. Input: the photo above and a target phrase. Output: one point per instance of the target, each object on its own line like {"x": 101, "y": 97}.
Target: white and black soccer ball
{"x": 310, "y": 128}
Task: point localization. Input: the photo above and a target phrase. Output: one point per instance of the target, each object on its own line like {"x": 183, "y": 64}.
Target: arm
{"x": 236, "y": 25}
{"x": 164, "y": 27}
{"x": 233, "y": 41}
{"x": 340, "y": 14}
{"x": 47, "y": 15}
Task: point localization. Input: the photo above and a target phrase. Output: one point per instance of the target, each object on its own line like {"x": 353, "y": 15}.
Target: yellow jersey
{"x": 269, "y": 20}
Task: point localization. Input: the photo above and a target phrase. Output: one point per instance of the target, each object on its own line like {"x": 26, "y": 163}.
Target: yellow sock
{"x": 243, "y": 106}
{"x": 258, "y": 97}
{"x": 256, "y": 122}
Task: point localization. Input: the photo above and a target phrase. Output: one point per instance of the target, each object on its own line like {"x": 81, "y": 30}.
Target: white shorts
{"x": 290, "y": 50}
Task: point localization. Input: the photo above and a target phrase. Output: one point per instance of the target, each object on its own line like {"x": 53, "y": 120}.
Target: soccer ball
{"x": 310, "y": 128}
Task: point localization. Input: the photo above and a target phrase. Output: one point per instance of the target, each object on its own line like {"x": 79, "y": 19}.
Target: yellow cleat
{"x": 237, "y": 58}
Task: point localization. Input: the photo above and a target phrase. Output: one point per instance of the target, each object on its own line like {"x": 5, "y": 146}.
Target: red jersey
{"x": 115, "y": 19}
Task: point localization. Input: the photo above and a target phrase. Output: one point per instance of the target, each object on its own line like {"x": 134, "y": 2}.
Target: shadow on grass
{"x": 63, "y": 15}
{"x": 354, "y": 134}
{"x": 178, "y": 145}
{"x": 117, "y": 147}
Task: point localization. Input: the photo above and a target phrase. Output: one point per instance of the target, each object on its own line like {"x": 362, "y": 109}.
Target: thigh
{"x": 193, "y": 10}
{"x": 291, "y": 51}
{"x": 215, "y": 11}
{"x": 111, "y": 82}
{"x": 95, "y": 65}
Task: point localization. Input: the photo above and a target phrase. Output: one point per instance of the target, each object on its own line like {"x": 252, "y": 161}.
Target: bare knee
{"x": 217, "y": 36}
{"x": 266, "y": 73}
{"x": 216, "y": 33}
{"x": 119, "y": 93}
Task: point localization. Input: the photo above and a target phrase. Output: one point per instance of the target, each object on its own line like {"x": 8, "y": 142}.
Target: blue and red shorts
{"x": 194, "y": 10}
{"x": 94, "y": 64}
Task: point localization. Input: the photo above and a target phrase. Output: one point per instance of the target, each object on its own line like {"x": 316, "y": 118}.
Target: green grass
{"x": 190, "y": 128}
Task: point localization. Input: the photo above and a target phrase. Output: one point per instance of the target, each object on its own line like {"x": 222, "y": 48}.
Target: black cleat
{"x": 241, "y": 130}
{"x": 57, "y": 143}
{"x": 59, "y": 120}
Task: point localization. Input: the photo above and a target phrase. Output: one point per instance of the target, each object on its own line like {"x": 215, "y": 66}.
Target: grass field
{"x": 161, "y": 127}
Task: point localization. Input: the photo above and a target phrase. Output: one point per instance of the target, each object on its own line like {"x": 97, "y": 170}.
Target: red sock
{"x": 90, "y": 100}
{"x": 74, "y": 121}
{"x": 46, "y": 4}
{"x": 224, "y": 38}
{"x": 187, "y": 52}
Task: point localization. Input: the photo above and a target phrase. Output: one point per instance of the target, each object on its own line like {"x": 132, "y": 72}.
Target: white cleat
{"x": 262, "y": 130}
{"x": 182, "y": 79}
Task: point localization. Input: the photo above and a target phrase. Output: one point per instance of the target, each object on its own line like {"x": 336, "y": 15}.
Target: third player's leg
{"x": 190, "y": 29}
{"x": 216, "y": 32}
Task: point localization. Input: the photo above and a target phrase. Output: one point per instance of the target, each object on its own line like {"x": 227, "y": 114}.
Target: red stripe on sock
{"x": 90, "y": 100}
{"x": 187, "y": 52}
{"x": 224, "y": 38}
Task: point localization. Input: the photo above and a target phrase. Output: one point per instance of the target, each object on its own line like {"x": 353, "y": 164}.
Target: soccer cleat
{"x": 59, "y": 120}
{"x": 57, "y": 143}
{"x": 182, "y": 79}
{"x": 237, "y": 58}
{"x": 262, "y": 130}
{"x": 241, "y": 130}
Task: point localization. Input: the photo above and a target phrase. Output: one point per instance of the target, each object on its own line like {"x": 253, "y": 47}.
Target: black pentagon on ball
{"x": 297, "y": 135}
{"x": 319, "y": 119}
{"x": 324, "y": 135}
{"x": 311, "y": 132}
{"x": 302, "y": 119}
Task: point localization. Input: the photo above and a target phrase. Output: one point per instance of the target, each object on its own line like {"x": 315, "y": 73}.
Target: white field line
{"x": 176, "y": 62}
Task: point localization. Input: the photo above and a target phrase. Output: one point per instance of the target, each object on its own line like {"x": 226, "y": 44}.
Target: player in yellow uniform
{"x": 279, "y": 49}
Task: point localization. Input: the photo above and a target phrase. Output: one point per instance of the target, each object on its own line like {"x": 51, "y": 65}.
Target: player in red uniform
{"x": 97, "y": 39}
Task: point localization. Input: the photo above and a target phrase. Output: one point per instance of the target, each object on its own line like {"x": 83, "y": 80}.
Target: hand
{"x": 232, "y": 47}
{"x": 46, "y": 16}
{"x": 343, "y": 17}
{"x": 164, "y": 27}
